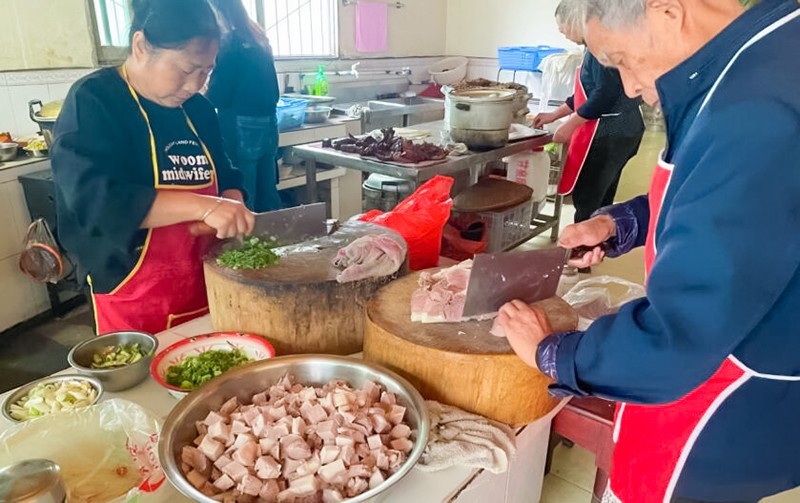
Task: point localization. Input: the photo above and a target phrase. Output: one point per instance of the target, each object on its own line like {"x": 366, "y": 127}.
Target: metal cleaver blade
{"x": 497, "y": 278}
{"x": 292, "y": 225}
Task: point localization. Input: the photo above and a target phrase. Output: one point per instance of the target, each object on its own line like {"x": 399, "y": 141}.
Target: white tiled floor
{"x": 572, "y": 475}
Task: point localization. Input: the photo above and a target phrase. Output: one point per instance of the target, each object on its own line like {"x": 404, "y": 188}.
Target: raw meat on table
{"x": 373, "y": 256}
{"x": 300, "y": 443}
{"x": 441, "y": 295}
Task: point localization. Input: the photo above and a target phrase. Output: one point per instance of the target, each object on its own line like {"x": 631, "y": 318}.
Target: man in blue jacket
{"x": 707, "y": 366}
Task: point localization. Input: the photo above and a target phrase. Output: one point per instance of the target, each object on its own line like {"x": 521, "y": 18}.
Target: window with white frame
{"x": 296, "y": 28}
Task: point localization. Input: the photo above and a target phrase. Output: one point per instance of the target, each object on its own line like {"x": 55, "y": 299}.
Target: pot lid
{"x": 31, "y": 481}
{"x": 386, "y": 183}
{"x": 484, "y": 95}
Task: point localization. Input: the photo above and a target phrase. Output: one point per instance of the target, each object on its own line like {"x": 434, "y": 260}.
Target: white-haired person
{"x": 707, "y": 365}
{"x": 604, "y": 127}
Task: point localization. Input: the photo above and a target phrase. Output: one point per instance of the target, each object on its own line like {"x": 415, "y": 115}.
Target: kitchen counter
{"x": 11, "y": 170}
{"x": 521, "y": 484}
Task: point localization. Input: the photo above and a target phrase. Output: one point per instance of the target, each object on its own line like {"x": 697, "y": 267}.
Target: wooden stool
{"x": 588, "y": 422}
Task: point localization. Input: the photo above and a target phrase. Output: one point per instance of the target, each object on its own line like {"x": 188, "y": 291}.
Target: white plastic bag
{"x": 107, "y": 452}
{"x": 596, "y": 297}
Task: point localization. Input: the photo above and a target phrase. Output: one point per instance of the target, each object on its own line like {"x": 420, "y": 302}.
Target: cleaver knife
{"x": 497, "y": 278}
{"x": 287, "y": 226}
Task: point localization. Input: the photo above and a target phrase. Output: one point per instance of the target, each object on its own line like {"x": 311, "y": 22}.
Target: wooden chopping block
{"x": 460, "y": 364}
{"x": 297, "y": 304}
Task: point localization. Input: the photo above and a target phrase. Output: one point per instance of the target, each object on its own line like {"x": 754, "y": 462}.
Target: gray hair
{"x": 615, "y": 14}
{"x": 571, "y": 15}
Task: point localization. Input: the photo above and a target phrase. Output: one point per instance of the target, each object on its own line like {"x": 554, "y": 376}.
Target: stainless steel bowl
{"x": 117, "y": 378}
{"x": 179, "y": 427}
{"x": 8, "y": 151}
{"x": 22, "y": 391}
{"x": 32, "y": 481}
{"x": 317, "y": 114}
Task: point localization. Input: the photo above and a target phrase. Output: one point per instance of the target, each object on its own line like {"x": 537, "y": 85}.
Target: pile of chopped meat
{"x": 299, "y": 443}
{"x": 373, "y": 256}
{"x": 440, "y": 297}
{"x": 391, "y": 148}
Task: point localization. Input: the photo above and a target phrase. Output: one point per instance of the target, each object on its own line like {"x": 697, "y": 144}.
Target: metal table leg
{"x": 559, "y": 201}
{"x": 311, "y": 180}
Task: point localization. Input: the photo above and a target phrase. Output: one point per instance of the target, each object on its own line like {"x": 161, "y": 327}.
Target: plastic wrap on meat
{"x": 373, "y": 256}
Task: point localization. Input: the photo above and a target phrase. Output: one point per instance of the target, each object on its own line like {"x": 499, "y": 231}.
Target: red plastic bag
{"x": 420, "y": 219}
{"x": 458, "y": 247}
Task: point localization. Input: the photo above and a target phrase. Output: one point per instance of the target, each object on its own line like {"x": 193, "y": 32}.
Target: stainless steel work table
{"x": 472, "y": 163}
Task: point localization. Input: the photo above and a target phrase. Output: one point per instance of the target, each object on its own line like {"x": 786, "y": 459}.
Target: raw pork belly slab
{"x": 373, "y": 256}
{"x": 440, "y": 297}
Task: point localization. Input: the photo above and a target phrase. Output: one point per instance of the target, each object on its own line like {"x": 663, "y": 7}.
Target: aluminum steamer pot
{"x": 480, "y": 118}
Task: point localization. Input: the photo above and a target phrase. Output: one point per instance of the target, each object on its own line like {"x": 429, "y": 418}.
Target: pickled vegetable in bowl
{"x": 53, "y": 396}
{"x": 117, "y": 356}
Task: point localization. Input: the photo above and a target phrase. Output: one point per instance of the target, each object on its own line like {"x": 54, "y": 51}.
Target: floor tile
{"x": 558, "y": 490}
{"x": 575, "y": 465}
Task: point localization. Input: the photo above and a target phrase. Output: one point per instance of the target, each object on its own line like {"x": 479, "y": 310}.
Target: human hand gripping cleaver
{"x": 287, "y": 226}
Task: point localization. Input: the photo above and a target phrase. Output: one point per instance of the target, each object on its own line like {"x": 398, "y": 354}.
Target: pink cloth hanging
{"x": 372, "y": 27}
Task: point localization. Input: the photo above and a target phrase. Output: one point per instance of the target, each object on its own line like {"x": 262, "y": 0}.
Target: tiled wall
{"x": 18, "y": 88}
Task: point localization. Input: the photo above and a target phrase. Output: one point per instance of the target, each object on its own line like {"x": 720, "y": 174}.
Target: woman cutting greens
{"x": 138, "y": 158}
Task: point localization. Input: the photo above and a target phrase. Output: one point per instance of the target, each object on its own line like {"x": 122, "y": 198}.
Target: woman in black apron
{"x": 138, "y": 159}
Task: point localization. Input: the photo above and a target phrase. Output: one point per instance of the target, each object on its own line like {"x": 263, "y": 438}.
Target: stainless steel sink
{"x": 414, "y": 101}
{"x": 393, "y": 111}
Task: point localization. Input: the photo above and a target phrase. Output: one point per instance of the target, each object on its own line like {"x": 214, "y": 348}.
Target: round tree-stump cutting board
{"x": 297, "y": 303}
{"x": 460, "y": 364}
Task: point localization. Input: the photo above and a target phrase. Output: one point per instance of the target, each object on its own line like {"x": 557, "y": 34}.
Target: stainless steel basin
{"x": 392, "y": 111}
{"x": 414, "y": 101}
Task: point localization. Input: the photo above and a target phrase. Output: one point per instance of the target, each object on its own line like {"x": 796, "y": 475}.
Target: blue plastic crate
{"x": 525, "y": 58}
{"x": 291, "y": 113}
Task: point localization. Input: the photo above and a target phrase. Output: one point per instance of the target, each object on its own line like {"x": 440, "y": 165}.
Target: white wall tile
{"x": 20, "y": 96}
{"x": 59, "y": 91}
{"x": 7, "y": 122}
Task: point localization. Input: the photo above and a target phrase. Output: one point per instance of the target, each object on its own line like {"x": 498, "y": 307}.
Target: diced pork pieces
{"x": 299, "y": 443}
{"x": 440, "y": 297}
{"x": 372, "y": 256}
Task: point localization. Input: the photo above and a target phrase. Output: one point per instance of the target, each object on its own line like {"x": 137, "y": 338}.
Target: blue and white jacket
{"x": 726, "y": 280}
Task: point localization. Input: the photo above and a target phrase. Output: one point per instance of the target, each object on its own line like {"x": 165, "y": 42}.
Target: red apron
{"x": 652, "y": 442}
{"x": 579, "y": 144}
{"x": 166, "y": 287}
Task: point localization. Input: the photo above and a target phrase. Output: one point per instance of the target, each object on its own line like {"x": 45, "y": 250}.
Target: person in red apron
{"x": 138, "y": 159}
{"x": 705, "y": 367}
{"x": 603, "y": 131}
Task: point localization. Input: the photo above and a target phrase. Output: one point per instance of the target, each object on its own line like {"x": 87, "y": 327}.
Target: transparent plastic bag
{"x": 41, "y": 259}
{"x": 107, "y": 452}
{"x": 596, "y": 297}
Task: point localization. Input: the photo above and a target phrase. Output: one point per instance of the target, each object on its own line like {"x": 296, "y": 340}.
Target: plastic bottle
{"x": 531, "y": 168}
{"x": 321, "y": 84}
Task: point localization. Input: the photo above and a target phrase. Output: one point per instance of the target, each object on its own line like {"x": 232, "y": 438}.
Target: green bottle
{"x": 321, "y": 85}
